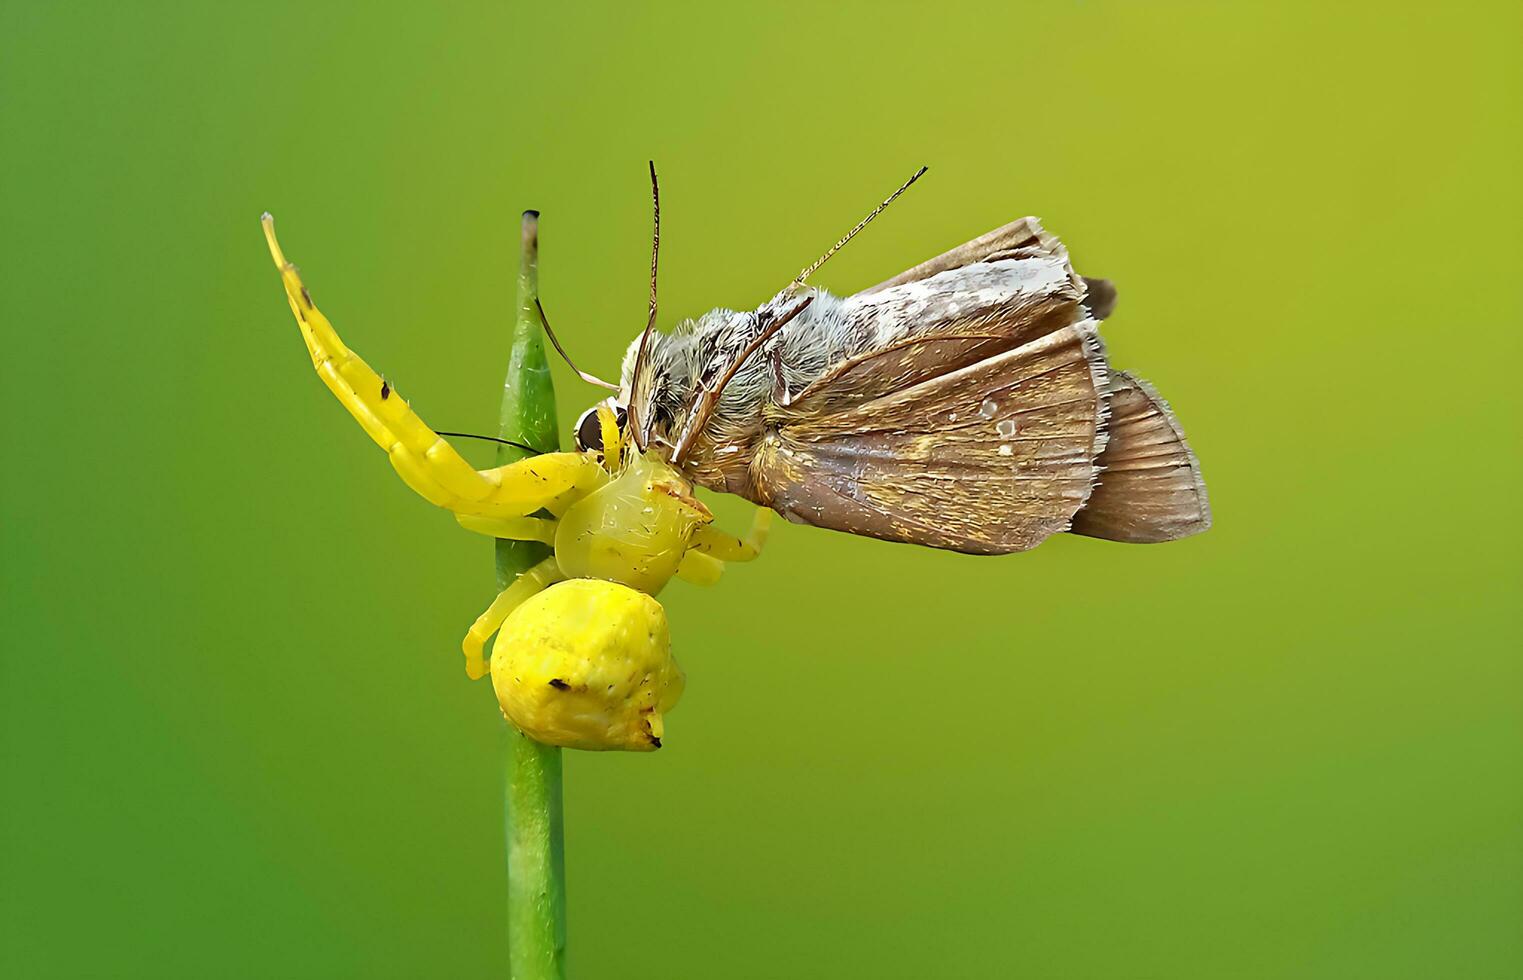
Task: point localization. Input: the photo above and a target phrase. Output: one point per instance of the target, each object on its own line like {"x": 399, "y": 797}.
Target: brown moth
{"x": 966, "y": 404}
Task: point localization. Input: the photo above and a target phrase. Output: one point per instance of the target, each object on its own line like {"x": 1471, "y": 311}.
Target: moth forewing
{"x": 929, "y": 328}
{"x": 989, "y": 458}
{"x": 1023, "y": 238}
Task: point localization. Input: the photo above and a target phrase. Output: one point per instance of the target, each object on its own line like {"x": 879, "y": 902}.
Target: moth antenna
{"x": 704, "y": 404}
{"x": 544, "y": 321}
{"x": 637, "y": 425}
{"x": 802, "y": 276}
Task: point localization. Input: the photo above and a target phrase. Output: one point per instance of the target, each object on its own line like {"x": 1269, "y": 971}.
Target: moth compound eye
{"x": 589, "y": 433}
{"x": 587, "y": 664}
{"x": 589, "y": 430}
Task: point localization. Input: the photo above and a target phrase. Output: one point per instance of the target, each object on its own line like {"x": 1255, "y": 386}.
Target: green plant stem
{"x": 536, "y": 848}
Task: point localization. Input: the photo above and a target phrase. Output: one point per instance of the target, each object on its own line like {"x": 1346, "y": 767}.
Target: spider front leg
{"x": 424, "y": 460}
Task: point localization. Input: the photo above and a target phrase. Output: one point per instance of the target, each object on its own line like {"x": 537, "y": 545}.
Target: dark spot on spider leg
{"x": 385, "y": 389}
{"x": 306, "y": 297}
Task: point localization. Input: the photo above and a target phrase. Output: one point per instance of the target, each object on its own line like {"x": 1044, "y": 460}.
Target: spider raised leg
{"x": 617, "y": 515}
{"x": 423, "y": 458}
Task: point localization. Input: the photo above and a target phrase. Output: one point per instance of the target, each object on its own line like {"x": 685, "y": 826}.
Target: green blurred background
{"x": 237, "y": 738}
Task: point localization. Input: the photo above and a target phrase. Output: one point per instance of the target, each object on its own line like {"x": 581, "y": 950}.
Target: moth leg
{"x": 698, "y": 568}
{"x": 534, "y": 580}
{"x": 716, "y": 543}
{"x": 424, "y": 460}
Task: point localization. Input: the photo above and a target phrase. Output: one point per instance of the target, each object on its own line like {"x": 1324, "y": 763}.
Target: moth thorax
{"x": 633, "y": 530}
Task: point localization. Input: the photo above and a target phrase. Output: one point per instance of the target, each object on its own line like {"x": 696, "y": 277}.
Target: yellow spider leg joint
{"x": 712, "y": 541}
{"x": 526, "y": 486}
{"x": 515, "y": 528}
{"x": 698, "y": 568}
{"x": 509, "y": 599}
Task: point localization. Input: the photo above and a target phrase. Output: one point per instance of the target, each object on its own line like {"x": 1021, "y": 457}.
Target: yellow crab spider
{"x": 617, "y": 517}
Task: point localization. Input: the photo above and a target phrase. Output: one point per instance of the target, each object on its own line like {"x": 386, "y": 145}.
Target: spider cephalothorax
{"x": 634, "y": 529}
